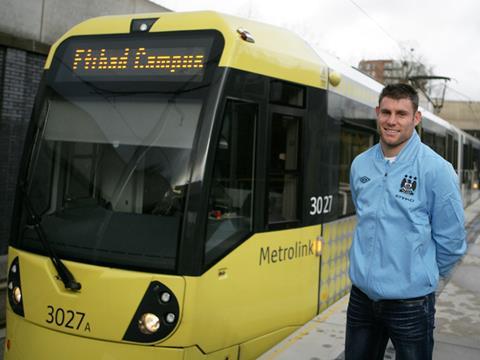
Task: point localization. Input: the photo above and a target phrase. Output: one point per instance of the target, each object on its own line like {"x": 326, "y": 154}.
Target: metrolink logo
{"x": 280, "y": 254}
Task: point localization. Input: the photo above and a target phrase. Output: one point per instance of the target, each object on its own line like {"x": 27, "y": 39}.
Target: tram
{"x": 184, "y": 190}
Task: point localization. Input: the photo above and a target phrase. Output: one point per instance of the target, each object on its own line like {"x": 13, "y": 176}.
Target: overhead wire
{"x": 378, "y": 25}
{"x": 398, "y": 43}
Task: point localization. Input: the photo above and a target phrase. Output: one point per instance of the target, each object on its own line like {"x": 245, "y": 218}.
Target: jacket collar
{"x": 408, "y": 152}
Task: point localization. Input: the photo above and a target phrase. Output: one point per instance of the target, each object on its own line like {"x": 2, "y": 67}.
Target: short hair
{"x": 400, "y": 91}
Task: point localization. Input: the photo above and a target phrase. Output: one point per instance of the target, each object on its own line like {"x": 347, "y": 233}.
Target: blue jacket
{"x": 410, "y": 224}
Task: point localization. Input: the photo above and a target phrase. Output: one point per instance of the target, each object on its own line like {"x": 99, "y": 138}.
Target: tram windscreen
{"x": 110, "y": 166}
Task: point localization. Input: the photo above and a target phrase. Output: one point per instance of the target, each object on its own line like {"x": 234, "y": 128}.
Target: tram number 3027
{"x": 321, "y": 204}
{"x": 67, "y": 318}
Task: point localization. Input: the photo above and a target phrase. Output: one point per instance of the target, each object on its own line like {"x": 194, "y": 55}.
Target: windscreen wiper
{"x": 36, "y": 221}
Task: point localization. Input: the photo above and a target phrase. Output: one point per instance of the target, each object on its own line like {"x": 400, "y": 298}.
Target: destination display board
{"x": 171, "y": 57}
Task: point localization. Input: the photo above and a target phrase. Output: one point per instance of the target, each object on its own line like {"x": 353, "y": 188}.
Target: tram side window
{"x": 449, "y": 148}
{"x": 284, "y": 93}
{"x": 467, "y": 163}
{"x": 436, "y": 142}
{"x": 352, "y": 143}
{"x": 428, "y": 138}
{"x": 440, "y": 145}
{"x": 474, "y": 168}
{"x": 284, "y": 170}
{"x": 455, "y": 154}
{"x": 231, "y": 193}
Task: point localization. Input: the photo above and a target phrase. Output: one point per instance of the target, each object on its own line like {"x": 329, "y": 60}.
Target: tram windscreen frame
{"x": 114, "y": 172}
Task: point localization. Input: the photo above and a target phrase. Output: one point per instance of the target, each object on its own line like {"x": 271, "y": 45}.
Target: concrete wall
{"x": 27, "y": 29}
{"x": 463, "y": 114}
{"x": 46, "y": 20}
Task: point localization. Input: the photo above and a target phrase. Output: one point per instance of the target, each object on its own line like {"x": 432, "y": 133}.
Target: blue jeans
{"x": 407, "y": 323}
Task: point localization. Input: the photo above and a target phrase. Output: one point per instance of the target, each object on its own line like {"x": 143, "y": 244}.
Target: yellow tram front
{"x": 147, "y": 224}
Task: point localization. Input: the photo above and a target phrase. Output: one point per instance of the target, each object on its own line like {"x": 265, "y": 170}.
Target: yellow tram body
{"x": 257, "y": 294}
{"x": 218, "y": 297}
{"x": 236, "y": 292}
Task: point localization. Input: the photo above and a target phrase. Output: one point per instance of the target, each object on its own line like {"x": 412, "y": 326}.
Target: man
{"x": 410, "y": 231}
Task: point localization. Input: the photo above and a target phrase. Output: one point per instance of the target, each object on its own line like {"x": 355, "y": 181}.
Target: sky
{"x": 445, "y": 35}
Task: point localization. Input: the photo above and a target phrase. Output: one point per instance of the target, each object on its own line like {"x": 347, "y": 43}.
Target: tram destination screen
{"x": 157, "y": 57}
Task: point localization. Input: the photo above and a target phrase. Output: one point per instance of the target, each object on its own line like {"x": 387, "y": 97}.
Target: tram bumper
{"x": 27, "y": 341}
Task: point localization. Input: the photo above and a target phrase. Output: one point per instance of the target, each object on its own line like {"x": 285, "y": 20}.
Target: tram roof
{"x": 276, "y": 52}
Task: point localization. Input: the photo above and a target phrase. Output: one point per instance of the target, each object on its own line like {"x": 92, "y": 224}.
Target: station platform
{"x": 457, "y": 321}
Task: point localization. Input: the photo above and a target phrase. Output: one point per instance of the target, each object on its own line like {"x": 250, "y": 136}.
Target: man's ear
{"x": 418, "y": 117}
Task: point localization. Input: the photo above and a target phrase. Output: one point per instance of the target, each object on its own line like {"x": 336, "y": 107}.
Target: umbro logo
{"x": 364, "y": 179}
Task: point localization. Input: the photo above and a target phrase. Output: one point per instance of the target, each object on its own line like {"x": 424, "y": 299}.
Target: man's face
{"x": 396, "y": 121}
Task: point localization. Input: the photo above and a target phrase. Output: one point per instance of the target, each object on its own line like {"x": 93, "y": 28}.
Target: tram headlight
{"x": 149, "y": 323}
{"x": 17, "y": 295}
{"x": 14, "y": 288}
{"x": 165, "y": 297}
{"x": 156, "y": 317}
{"x": 170, "y": 318}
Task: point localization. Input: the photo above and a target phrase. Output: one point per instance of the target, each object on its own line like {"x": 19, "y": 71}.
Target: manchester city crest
{"x": 408, "y": 184}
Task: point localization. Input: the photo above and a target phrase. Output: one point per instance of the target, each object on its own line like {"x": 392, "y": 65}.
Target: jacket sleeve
{"x": 447, "y": 218}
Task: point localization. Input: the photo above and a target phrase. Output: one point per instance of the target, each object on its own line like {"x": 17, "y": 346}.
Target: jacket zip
{"x": 380, "y": 209}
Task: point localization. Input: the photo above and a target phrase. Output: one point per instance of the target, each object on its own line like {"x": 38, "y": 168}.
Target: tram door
{"x": 286, "y": 117}
{"x": 284, "y": 212}
{"x": 284, "y": 171}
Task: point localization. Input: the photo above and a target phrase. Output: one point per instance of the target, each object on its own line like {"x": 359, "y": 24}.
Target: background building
{"x": 27, "y": 29}
{"x": 384, "y": 71}
{"x": 395, "y": 71}
{"x": 463, "y": 114}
